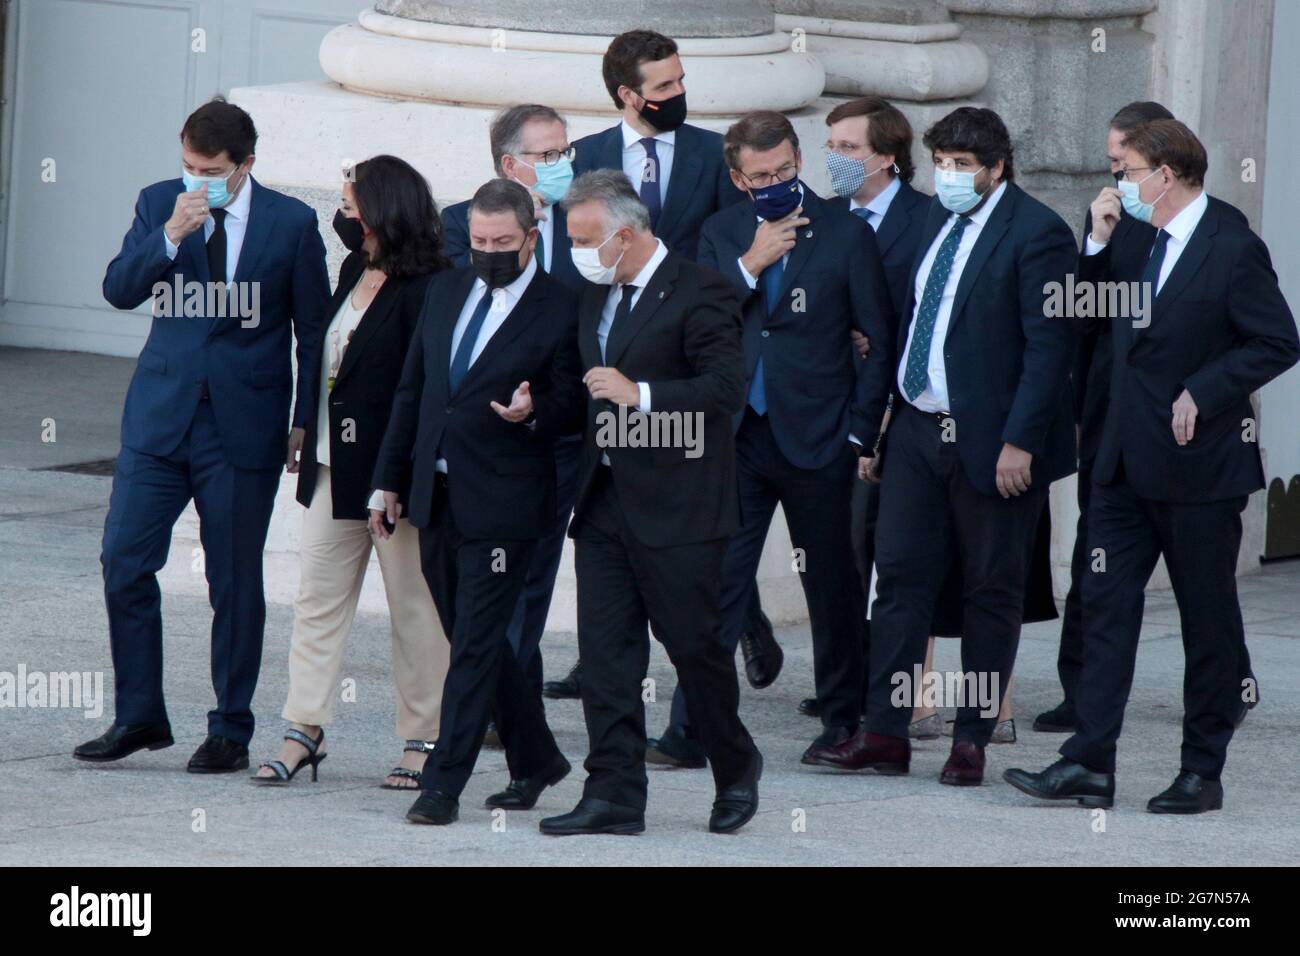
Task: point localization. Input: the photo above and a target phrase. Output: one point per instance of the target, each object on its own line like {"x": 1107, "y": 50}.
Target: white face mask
{"x": 588, "y": 264}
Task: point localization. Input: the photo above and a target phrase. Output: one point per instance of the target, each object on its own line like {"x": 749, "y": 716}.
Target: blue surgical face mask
{"x": 552, "y": 181}
{"x": 956, "y": 189}
{"x": 777, "y": 200}
{"x": 1133, "y": 205}
{"x": 218, "y": 194}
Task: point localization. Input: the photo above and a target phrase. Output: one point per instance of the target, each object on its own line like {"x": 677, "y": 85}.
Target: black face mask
{"x": 1118, "y": 174}
{"x": 349, "y": 230}
{"x": 665, "y": 115}
{"x": 496, "y": 269}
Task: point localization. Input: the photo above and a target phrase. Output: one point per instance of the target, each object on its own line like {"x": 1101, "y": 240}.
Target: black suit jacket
{"x": 1007, "y": 363}
{"x": 897, "y": 237}
{"x": 1219, "y": 328}
{"x": 833, "y": 282}
{"x": 698, "y": 187}
{"x": 683, "y": 338}
{"x": 363, "y": 392}
{"x": 455, "y": 242}
{"x": 501, "y": 475}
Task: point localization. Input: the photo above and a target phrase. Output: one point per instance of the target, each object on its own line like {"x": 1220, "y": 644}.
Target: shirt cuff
{"x": 376, "y": 501}
{"x": 644, "y": 404}
{"x": 854, "y": 439}
{"x": 744, "y": 274}
{"x": 1091, "y": 247}
{"x": 170, "y": 247}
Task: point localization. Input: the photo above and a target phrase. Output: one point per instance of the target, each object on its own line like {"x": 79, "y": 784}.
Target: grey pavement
{"x": 147, "y": 810}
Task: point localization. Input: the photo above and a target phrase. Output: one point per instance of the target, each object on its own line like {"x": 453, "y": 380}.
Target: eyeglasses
{"x": 1125, "y": 170}
{"x": 782, "y": 175}
{"x": 551, "y": 156}
{"x": 846, "y": 149}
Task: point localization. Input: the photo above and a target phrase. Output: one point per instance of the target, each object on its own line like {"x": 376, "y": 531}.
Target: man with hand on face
{"x": 206, "y": 418}
{"x": 982, "y": 428}
{"x": 661, "y": 336}
{"x": 490, "y": 382}
{"x": 1177, "y": 460}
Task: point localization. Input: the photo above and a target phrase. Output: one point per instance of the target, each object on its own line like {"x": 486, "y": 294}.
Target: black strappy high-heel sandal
{"x": 418, "y": 746}
{"x": 282, "y": 773}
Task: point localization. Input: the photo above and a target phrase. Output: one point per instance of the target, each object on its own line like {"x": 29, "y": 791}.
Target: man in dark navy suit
{"x": 530, "y": 146}
{"x": 491, "y": 380}
{"x": 807, "y": 273}
{"x": 1178, "y": 458}
{"x": 236, "y": 271}
{"x": 981, "y": 426}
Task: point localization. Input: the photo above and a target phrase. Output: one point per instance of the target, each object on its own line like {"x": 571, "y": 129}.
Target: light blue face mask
{"x": 1133, "y": 205}
{"x": 956, "y": 190}
{"x": 218, "y": 194}
{"x": 552, "y": 181}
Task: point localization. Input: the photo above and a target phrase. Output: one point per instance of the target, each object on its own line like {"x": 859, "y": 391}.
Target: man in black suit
{"x": 662, "y": 352}
{"x": 1177, "y": 461}
{"x": 980, "y": 430}
{"x": 675, "y": 168}
{"x": 489, "y": 380}
{"x": 807, "y": 273}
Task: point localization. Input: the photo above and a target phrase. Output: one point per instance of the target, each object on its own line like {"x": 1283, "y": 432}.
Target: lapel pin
{"x": 808, "y": 234}
{"x": 661, "y": 295}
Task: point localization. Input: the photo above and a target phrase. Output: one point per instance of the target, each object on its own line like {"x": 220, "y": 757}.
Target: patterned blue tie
{"x": 460, "y": 364}
{"x": 650, "y": 182}
{"x": 771, "y": 278}
{"x": 863, "y": 213}
{"x": 918, "y": 358}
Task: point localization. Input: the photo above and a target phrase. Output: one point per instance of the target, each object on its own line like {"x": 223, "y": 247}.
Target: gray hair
{"x": 502, "y": 195}
{"x": 506, "y": 134}
{"x": 612, "y": 189}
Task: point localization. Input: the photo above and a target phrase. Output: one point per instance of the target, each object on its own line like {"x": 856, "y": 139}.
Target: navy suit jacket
{"x": 1219, "y": 328}
{"x": 698, "y": 186}
{"x": 455, "y": 242}
{"x": 1007, "y": 363}
{"x": 245, "y": 361}
{"x": 501, "y": 474}
{"x": 817, "y": 394}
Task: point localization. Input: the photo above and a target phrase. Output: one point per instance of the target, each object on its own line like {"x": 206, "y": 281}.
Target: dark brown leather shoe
{"x": 965, "y": 766}
{"x": 864, "y": 751}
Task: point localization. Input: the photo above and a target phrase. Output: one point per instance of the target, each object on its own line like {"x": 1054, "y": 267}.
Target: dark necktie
{"x": 460, "y": 364}
{"x": 621, "y": 312}
{"x": 918, "y": 358}
{"x": 1152, "y": 272}
{"x": 650, "y": 182}
{"x": 863, "y": 213}
{"x": 217, "y": 247}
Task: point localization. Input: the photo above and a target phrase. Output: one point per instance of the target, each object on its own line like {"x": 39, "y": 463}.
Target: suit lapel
{"x": 654, "y": 294}
{"x": 520, "y": 317}
{"x": 261, "y": 220}
{"x": 685, "y": 178}
{"x": 379, "y": 311}
{"x": 896, "y": 219}
{"x": 990, "y": 235}
{"x": 805, "y": 241}
{"x": 445, "y": 330}
{"x": 590, "y": 307}
{"x": 1189, "y": 263}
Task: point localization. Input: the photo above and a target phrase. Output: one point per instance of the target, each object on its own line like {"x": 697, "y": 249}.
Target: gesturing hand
{"x": 521, "y": 405}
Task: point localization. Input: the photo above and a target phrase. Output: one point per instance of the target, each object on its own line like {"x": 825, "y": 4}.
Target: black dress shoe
{"x": 595, "y": 816}
{"x": 676, "y": 749}
{"x": 492, "y": 739}
{"x": 434, "y": 808}
{"x": 830, "y": 737}
{"x": 810, "y": 707}
{"x": 737, "y": 804}
{"x": 570, "y": 688}
{"x": 522, "y": 794}
{"x": 763, "y": 655}
{"x": 1059, "y": 720}
{"x": 117, "y": 742}
{"x": 219, "y": 754}
{"x": 1066, "y": 780}
{"x": 1188, "y": 793}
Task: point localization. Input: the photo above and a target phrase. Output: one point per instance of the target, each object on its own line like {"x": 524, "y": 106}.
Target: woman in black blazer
{"x": 388, "y": 221}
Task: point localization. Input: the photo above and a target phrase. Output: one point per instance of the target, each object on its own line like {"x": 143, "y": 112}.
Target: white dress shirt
{"x": 878, "y": 205}
{"x": 546, "y": 226}
{"x": 1180, "y": 230}
{"x": 236, "y": 227}
{"x": 337, "y": 337}
{"x": 640, "y": 281}
{"x": 634, "y": 157}
{"x": 935, "y": 396}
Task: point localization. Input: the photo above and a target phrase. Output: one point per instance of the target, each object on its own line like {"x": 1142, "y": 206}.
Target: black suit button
{"x": 449, "y": 411}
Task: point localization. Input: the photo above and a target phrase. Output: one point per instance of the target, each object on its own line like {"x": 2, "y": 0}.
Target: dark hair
{"x": 393, "y": 199}
{"x": 1135, "y": 114}
{"x": 626, "y": 53}
{"x": 217, "y": 127}
{"x": 506, "y": 133}
{"x": 1167, "y": 142}
{"x": 888, "y": 130}
{"x": 760, "y": 130}
{"x": 969, "y": 129}
{"x": 503, "y": 195}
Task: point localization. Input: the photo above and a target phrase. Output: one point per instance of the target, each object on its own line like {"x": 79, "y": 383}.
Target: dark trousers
{"x": 475, "y": 585}
{"x": 928, "y": 508}
{"x": 1200, "y": 544}
{"x": 1069, "y": 659}
{"x": 816, "y": 503}
{"x": 234, "y": 505}
{"x": 624, "y": 585}
{"x": 529, "y": 619}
